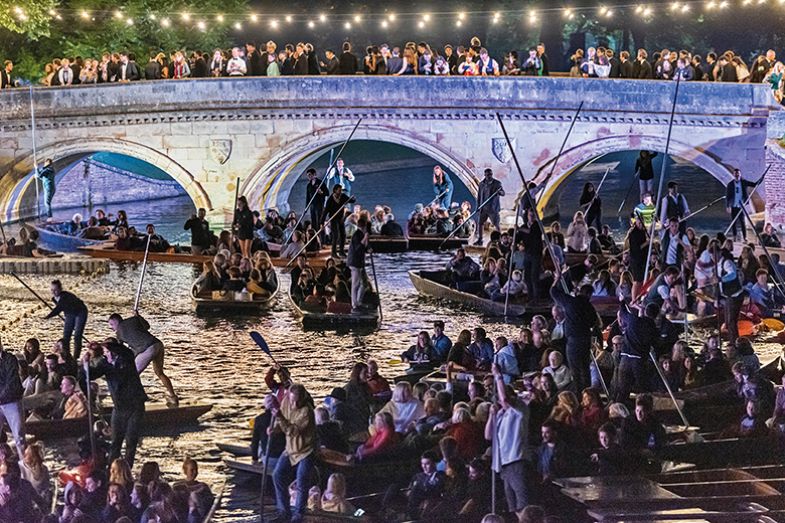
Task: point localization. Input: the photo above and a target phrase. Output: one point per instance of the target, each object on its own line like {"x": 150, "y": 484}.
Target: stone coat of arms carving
{"x": 220, "y": 150}
{"x": 501, "y": 150}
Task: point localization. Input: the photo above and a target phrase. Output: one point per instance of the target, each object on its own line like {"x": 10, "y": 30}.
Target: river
{"x": 212, "y": 359}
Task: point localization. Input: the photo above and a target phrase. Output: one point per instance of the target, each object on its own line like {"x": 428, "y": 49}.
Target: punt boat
{"x": 323, "y": 320}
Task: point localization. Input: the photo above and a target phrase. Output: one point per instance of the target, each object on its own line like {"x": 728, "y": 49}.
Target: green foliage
{"x": 28, "y": 17}
{"x": 103, "y": 31}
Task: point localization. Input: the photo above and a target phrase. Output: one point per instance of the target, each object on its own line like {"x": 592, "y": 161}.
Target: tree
{"x": 27, "y": 17}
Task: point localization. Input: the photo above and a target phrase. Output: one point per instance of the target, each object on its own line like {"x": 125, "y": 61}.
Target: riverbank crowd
{"x": 421, "y": 58}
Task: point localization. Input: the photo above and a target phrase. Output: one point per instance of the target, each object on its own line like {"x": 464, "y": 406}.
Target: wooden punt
{"x": 246, "y": 465}
{"x": 235, "y": 449}
{"x": 155, "y": 417}
{"x": 427, "y": 285}
{"x": 108, "y": 251}
{"x": 422, "y": 242}
{"x": 388, "y": 244}
{"x": 321, "y": 320}
{"x": 713, "y": 451}
{"x": 219, "y": 301}
{"x": 57, "y": 241}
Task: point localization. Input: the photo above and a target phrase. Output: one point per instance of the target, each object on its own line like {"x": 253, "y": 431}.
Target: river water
{"x": 213, "y": 360}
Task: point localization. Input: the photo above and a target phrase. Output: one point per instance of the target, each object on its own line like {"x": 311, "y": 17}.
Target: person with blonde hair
{"x": 334, "y": 496}
{"x": 35, "y": 471}
{"x": 404, "y": 408}
{"x": 120, "y": 473}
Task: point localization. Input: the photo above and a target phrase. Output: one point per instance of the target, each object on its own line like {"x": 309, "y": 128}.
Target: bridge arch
{"x": 270, "y": 182}
{"x": 17, "y": 179}
{"x": 574, "y": 158}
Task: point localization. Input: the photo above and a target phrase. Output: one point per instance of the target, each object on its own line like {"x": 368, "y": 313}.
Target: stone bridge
{"x": 207, "y": 133}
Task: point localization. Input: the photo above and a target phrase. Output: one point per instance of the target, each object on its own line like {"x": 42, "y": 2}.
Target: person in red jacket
{"x": 382, "y": 440}
{"x": 467, "y": 434}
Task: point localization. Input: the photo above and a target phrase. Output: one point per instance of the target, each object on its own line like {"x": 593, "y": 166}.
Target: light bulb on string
{"x": 421, "y": 24}
{"x": 238, "y": 26}
{"x": 152, "y": 17}
{"x": 166, "y": 22}
{"x": 186, "y": 16}
{"x": 384, "y": 24}
{"x": 219, "y": 18}
{"x": 568, "y": 13}
{"x": 254, "y": 17}
{"x": 311, "y": 24}
{"x": 274, "y": 23}
{"x": 201, "y": 25}
{"x": 358, "y": 19}
{"x": 347, "y": 26}
{"x": 129, "y": 21}
{"x": 391, "y": 17}
{"x": 288, "y": 19}
{"x": 117, "y": 14}
{"x": 322, "y": 18}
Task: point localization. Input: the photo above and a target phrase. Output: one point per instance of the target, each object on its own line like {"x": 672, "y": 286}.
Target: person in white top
{"x": 236, "y": 65}
{"x": 404, "y": 408}
{"x": 340, "y": 175}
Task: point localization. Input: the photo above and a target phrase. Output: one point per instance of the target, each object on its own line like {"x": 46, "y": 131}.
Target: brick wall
{"x": 775, "y": 184}
{"x": 90, "y": 183}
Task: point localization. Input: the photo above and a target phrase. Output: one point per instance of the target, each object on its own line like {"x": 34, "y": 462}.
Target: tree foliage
{"x": 27, "y": 17}
{"x": 133, "y": 25}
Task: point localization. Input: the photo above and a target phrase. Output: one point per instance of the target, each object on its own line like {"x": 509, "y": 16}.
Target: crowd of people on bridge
{"x": 411, "y": 58}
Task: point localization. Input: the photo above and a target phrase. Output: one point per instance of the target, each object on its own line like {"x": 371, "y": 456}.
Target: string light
{"x": 461, "y": 16}
{"x": 391, "y": 16}
{"x": 458, "y": 23}
{"x": 288, "y": 19}
{"x": 311, "y": 24}
{"x": 219, "y": 18}
{"x": 532, "y": 17}
{"x": 201, "y": 25}
{"x": 238, "y": 26}
{"x": 166, "y": 22}
{"x": 84, "y": 14}
{"x": 129, "y": 21}
{"x": 568, "y": 13}
{"x": 384, "y": 24}
{"x": 421, "y": 24}
{"x": 274, "y": 23}
{"x": 426, "y": 17}
{"x": 347, "y": 26}
{"x": 186, "y": 16}
{"x": 358, "y": 19}
{"x": 322, "y": 18}
{"x": 152, "y": 17}
{"x": 117, "y": 14}
{"x": 254, "y": 17}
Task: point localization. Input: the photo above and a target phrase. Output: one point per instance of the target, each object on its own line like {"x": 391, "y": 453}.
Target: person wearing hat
{"x": 352, "y": 422}
{"x": 489, "y": 193}
{"x": 441, "y": 343}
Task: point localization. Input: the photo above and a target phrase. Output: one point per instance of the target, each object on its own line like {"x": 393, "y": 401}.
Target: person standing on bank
{"x": 336, "y": 214}
{"x": 243, "y": 226}
{"x": 128, "y": 396}
{"x": 11, "y": 392}
{"x": 735, "y": 198}
{"x": 201, "y": 237}
{"x": 75, "y": 312}
{"x": 135, "y": 332}
{"x": 315, "y": 194}
{"x": 442, "y": 187}
{"x": 341, "y": 175}
{"x": 674, "y": 205}
{"x": 356, "y": 260}
{"x": 645, "y": 172}
{"x": 490, "y": 190}
{"x": 47, "y": 176}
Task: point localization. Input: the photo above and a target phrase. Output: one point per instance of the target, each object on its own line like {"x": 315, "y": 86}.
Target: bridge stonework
{"x": 208, "y": 133}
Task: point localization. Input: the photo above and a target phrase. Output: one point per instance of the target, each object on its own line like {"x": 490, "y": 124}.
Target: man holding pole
{"x": 315, "y": 194}
{"x": 75, "y": 312}
{"x": 488, "y": 194}
{"x": 135, "y": 332}
{"x": 356, "y": 260}
{"x": 47, "y": 176}
{"x": 735, "y": 196}
{"x": 335, "y": 214}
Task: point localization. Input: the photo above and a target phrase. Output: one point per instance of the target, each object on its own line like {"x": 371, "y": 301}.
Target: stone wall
{"x": 88, "y": 183}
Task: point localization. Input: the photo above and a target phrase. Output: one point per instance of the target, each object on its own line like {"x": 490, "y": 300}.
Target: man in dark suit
{"x": 615, "y": 64}
{"x": 200, "y": 69}
{"x": 544, "y": 67}
{"x": 697, "y": 66}
{"x": 625, "y": 67}
{"x": 5, "y": 75}
{"x": 152, "y": 70}
{"x": 76, "y": 65}
{"x": 347, "y": 63}
{"x": 253, "y": 60}
{"x": 128, "y": 70}
{"x": 452, "y": 58}
{"x": 315, "y": 193}
{"x": 735, "y": 198}
{"x": 641, "y": 69}
{"x": 728, "y": 68}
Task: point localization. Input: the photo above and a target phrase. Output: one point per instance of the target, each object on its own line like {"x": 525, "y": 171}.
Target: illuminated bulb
{"x": 117, "y": 14}
{"x": 23, "y": 17}
{"x": 238, "y": 26}
{"x": 391, "y": 16}
{"x": 609, "y": 13}
{"x": 18, "y": 10}
{"x": 384, "y": 24}
{"x": 746, "y": 2}
{"x": 426, "y": 17}
{"x": 724, "y": 3}
{"x": 52, "y": 12}
{"x": 274, "y": 24}
{"x": 685, "y": 8}
{"x": 311, "y": 24}
{"x": 152, "y": 17}
{"x": 201, "y": 25}
{"x": 675, "y": 6}
{"x": 421, "y": 24}
{"x": 495, "y": 20}
{"x": 288, "y": 19}
{"x": 322, "y": 18}
{"x": 568, "y": 13}
{"x": 130, "y": 21}
{"x": 647, "y": 11}
{"x": 458, "y": 23}
{"x": 639, "y": 9}
{"x": 84, "y": 14}
{"x": 347, "y": 26}
{"x": 358, "y": 19}
{"x": 165, "y": 22}
{"x": 533, "y": 17}
{"x": 186, "y": 16}
{"x": 254, "y": 18}
{"x": 219, "y": 18}
{"x": 58, "y": 16}
{"x": 461, "y": 15}
{"x": 711, "y": 5}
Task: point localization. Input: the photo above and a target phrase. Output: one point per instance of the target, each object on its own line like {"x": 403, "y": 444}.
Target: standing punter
{"x": 135, "y": 332}
{"x": 490, "y": 190}
{"x": 75, "y": 312}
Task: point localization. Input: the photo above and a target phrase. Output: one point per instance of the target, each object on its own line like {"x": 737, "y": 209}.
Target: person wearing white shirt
{"x": 236, "y": 65}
